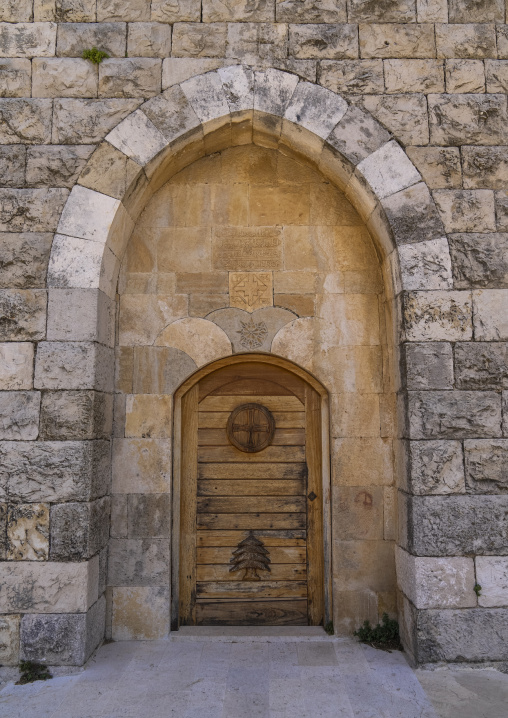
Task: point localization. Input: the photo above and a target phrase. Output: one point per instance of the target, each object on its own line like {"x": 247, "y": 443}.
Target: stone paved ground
{"x": 288, "y": 675}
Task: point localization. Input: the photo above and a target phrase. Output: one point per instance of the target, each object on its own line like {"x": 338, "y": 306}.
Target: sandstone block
{"x": 414, "y": 76}
{"x": 141, "y": 466}
{"x": 137, "y": 138}
{"x": 160, "y": 370}
{"x": 19, "y": 415}
{"x": 404, "y": 115}
{"x": 148, "y": 515}
{"x": 465, "y": 76}
{"x": 46, "y": 587}
{"x": 89, "y": 316}
{"x": 198, "y": 40}
{"x": 79, "y": 530}
{"x": 439, "y": 166}
{"x": 109, "y": 37}
{"x": 316, "y": 109}
{"x": 253, "y": 41}
{"x": 473, "y": 11}
{"x": 436, "y": 582}
{"x": 391, "y": 40}
{"x": 413, "y": 218}
{"x": 65, "y": 10}
{"x": 432, "y": 10}
{"x": 481, "y": 365}
{"x": 362, "y": 462}
{"x": 327, "y": 42}
{"x": 16, "y": 365}
{"x": 9, "y": 640}
{"x": 28, "y": 532}
{"x": 64, "y": 77}
{"x": 12, "y": 165}
{"x": 239, "y": 326}
{"x": 436, "y": 467}
{"x": 492, "y": 575}
{"x": 466, "y": 41}
{"x": 445, "y": 631}
{"x": 323, "y": 11}
{"x": 352, "y": 76}
{"x": 52, "y": 471}
{"x": 428, "y": 365}
{"x": 482, "y": 119}
{"x": 25, "y": 121}
{"x": 355, "y": 415}
{"x": 170, "y": 12}
{"x": 76, "y": 415}
{"x": 96, "y": 119}
{"x": 490, "y": 315}
{"x": 143, "y": 317}
{"x": 501, "y": 199}
{"x": 15, "y": 78}
{"x": 149, "y": 39}
{"x": 123, "y": 10}
{"x": 437, "y": 316}
{"x": 364, "y": 564}
{"x": 148, "y": 416}
{"x": 466, "y": 210}
{"x": 132, "y": 77}
{"x": 56, "y": 166}
{"x": 131, "y": 624}
{"x": 479, "y": 260}
{"x": 31, "y": 210}
{"x": 358, "y": 135}
{"x": 242, "y": 11}
{"x": 110, "y": 172}
{"x": 485, "y": 167}
{"x": 16, "y": 11}
{"x": 459, "y": 525}
{"x": 23, "y": 313}
{"x": 74, "y": 365}
{"x": 27, "y": 39}
{"x": 138, "y": 562}
{"x": 454, "y": 415}
{"x": 358, "y": 513}
{"x": 486, "y": 464}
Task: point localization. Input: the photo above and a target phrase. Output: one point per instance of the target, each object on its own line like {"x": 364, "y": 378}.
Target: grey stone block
{"x": 396, "y": 11}
{"x": 95, "y": 626}
{"x": 481, "y": 365}
{"x": 505, "y": 413}
{"x": 15, "y": 77}
{"x": 73, "y": 38}
{"x": 171, "y": 113}
{"x": 436, "y": 467}
{"x": 327, "y": 42}
{"x": 16, "y": 11}
{"x": 119, "y": 515}
{"x": 74, "y": 365}
{"x": 19, "y": 415}
{"x": 96, "y": 119}
{"x": 79, "y": 530}
{"x": 458, "y": 525}
{"x": 468, "y": 11}
{"x": 76, "y": 415}
{"x": 479, "y": 260}
{"x": 22, "y": 314}
{"x": 56, "y": 165}
{"x": 89, "y": 316}
{"x": 103, "y": 570}
{"x": 474, "y": 634}
{"x": 54, "y": 470}
{"x": 3, "y": 531}
{"x": 468, "y": 119}
{"x": 25, "y": 121}
{"x": 12, "y": 165}
{"x": 31, "y": 210}
{"x": 130, "y": 77}
{"x": 501, "y": 205}
{"x": 138, "y": 562}
{"x": 412, "y": 215}
{"x": 485, "y": 167}
{"x": 486, "y": 464}
{"x": 454, "y": 414}
{"x": 357, "y": 135}
{"x": 24, "y": 259}
{"x": 148, "y": 515}
{"x": 428, "y": 365}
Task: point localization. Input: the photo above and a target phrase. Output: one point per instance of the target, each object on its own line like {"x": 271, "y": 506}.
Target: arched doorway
{"x": 250, "y": 490}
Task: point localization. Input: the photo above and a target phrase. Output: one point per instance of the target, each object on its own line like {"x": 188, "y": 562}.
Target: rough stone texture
{"x": 56, "y": 166}
{"x": 65, "y": 10}
{"x": 22, "y": 314}
{"x": 64, "y": 77}
{"x": 79, "y": 530}
{"x": 195, "y": 40}
{"x": 482, "y": 119}
{"x": 413, "y": 216}
{"x": 492, "y": 575}
{"x": 73, "y": 365}
{"x": 486, "y": 465}
{"x": 352, "y": 76}
{"x": 466, "y": 41}
{"x": 429, "y": 365}
{"x": 12, "y": 165}
{"x": 397, "y": 41}
{"x": 148, "y": 515}
{"x": 16, "y": 365}
{"x": 475, "y": 11}
{"x": 465, "y": 76}
{"x": 31, "y": 210}
{"x": 138, "y": 562}
{"x": 169, "y": 11}
{"x": 37, "y": 39}
{"x": 404, "y": 115}
{"x": 19, "y": 415}
{"x": 436, "y": 467}
{"x": 123, "y": 10}
{"x": 16, "y": 11}
{"x": 466, "y": 210}
{"x": 15, "y": 77}
{"x": 9, "y": 639}
{"x": 454, "y": 415}
{"x": 413, "y": 76}
{"x": 90, "y": 315}
{"x": 28, "y": 532}
{"x": 479, "y": 260}
{"x": 96, "y": 119}
{"x": 485, "y": 167}
{"x": 25, "y": 121}
{"x": 437, "y": 316}
{"x": 501, "y": 199}
{"x": 136, "y": 77}
{"x": 76, "y": 415}
{"x": 109, "y": 37}
{"x": 149, "y": 39}
{"x": 332, "y": 42}
{"x": 490, "y": 316}
{"x": 249, "y": 41}
{"x": 481, "y": 365}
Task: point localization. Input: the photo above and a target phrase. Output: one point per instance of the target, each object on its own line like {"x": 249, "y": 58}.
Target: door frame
{"x": 321, "y": 449}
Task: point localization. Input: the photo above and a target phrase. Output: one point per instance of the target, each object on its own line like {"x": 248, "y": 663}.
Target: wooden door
{"x": 251, "y": 535}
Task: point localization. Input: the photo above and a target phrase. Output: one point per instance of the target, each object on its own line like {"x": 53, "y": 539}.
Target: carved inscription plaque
{"x": 244, "y": 248}
{"x": 250, "y": 290}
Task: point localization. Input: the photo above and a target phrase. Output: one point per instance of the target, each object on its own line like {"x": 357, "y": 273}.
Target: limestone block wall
{"x": 435, "y": 76}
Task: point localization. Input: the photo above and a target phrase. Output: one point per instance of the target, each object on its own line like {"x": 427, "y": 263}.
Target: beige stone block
{"x": 202, "y": 282}
{"x": 200, "y": 305}
{"x": 404, "y": 115}
{"x": 466, "y": 76}
{"x": 439, "y": 166}
{"x": 354, "y": 318}
{"x": 170, "y": 12}
{"x": 65, "y": 10}
{"x": 485, "y": 167}
{"x": 140, "y": 613}
{"x": 294, "y": 282}
{"x": 202, "y": 340}
{"x": 329, "y": 206}
{"x": 414, "y": 75}
{"x": 144, "y": 316}
{"x": 148, "y": 416}
{"x": 490, "y": 315}
{"x": 64, "y": 77}
{"x": 149, "y": 39}
{"x": 123, "y": 10}
{"x": 199, "y": 40}
{"x": 88, "y": 214}
{"x": 9, "y": 640}
{"x": 315, "y": 108}
{"x": 466, "y": 210}
{"x": 355, "y": 415}
{"x": 19, "y": 415}
{"x": 241, "y": 11}
{"x": 432, "y": 10}
{"x": 437, "y": 316}
{"x": 160, "y": 370}
{"x": 15, "y": 78}
{"x": 141, "y": 254}
{"x": 364, "y": 565}
{"x": 392, "y": 40}
{"x": 296, "y": 341}
{"x": 141, "y": 466}
{"x": 357, "y": 512}
{"x": 179, "y": 69}
{"x": 28, "y": 39}
{"x": 124, "y": 364}
{"x": 362, "y": 462}
{"x": 497, "y": 75}
{"x": 279, "y": 205}
{"x": 28, "y": 532}
{"x": 352, "y": 608}
{"x": 16, "y": 11}
{"x": 247, "y": 248}
{"x": 351, "y": 369}
{"x": 466, "y": 41}
{"x": 390, "y": 529}
{"x": 250, "y": 290}
{"x": 301, "y": 304}
{"x": 16, "y": 365}
{"x": 184, "y": 250}
{"x": 492, "y": 575}
{"x": 480, "y": 118}
{"x": 363, "y": 281}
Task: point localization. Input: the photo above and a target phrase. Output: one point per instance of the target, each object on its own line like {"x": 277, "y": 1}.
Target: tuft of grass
{"x": 329, "y": 628}
{"x": 385, "y": 635}
{"x": 477, "y": 589}
{"x": 94, "y": 55}
{"x": 32, "y": 671}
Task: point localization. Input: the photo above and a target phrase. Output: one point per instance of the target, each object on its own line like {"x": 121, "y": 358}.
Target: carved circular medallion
{"x": 250, "y": 427}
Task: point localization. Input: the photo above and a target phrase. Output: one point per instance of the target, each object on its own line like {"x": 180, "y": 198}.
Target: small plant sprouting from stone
{"x": 94, "y": 55}
{"x": 477, "y": 589}
{"x": 329, "y": 628}
{"x": 32, "y": 671}
{"x": 385, "y": 635}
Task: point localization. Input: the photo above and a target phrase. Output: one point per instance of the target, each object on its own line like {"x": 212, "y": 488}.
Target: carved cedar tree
{"x": 250, "y": 555}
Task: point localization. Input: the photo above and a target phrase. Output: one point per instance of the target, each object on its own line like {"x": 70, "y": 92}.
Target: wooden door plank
{"x": 278, "y": 554}
{"x": 251, "y": 370}
{"x": 271, "y": 453}
{"x": 228, "y": 403}
{"x": 251, "y": 521}
{"x": 252, "y": 487}
{"x": 250, "y": 504}
{"x": 254, "y": 387}
{"x": 283, "y": 419}
{"x": 281, "y": 437}
{"x": 245, "y": 589}
{"x": 269, "y": 538}
{"x": 252, "y": 613}
{"x": 252, "y": 471}
{"x": 278, "y": 572}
